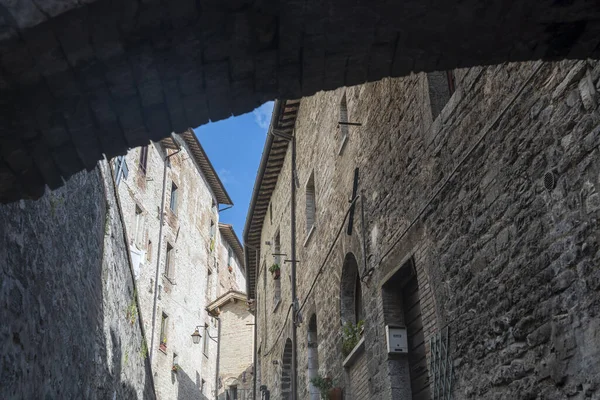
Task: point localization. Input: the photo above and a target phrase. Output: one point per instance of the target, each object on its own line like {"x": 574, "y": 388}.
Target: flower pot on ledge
{"x": 335, "y": 394}
{"x": 276, "y": 274}
{"x": 163, "y": 347}
{"x": 230, "y": 268}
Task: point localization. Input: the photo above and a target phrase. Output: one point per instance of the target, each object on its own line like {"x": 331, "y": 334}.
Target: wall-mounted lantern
{"x": 196, "y": 336}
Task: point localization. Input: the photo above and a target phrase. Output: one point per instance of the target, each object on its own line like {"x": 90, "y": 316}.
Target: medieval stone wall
{"x": 69, "y": 328}
{"x": 85, "y": 78}
{"x": 506, "y": 264}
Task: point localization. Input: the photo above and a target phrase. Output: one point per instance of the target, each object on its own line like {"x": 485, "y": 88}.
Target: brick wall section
{"x": 80, "y": 81}
{"x": 66, "y": 291}
{"x": 506, "y": 264}
{"x": 359, "y": 378}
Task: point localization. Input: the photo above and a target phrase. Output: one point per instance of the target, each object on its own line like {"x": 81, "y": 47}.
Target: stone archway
{"x": 313, "y": 357}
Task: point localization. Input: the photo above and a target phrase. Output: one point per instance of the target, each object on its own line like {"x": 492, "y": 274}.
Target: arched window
{"x": 313, "y": 357}
{"x": 351, "y": 293}
{"x": 286, "y": 371}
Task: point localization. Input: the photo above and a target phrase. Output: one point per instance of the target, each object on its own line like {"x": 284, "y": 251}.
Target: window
{"x": 121, "y": 169}
{"x": 351, "y": 296}
{"x": 173, "y": 197}
{"x": 143, "y": 159}
{"x": 277, "y": 260}
{"x": 232, "y": 393}
{"x": 163, "y": 331}
{"x": 208, "y": 283}
{"x": 311, "y": 206}
{"x": 343, "y": 124}
{"x": 313, "y": 357}
{"x": 149, "y": 251}
{"x": 202, "y": 384}
{"x": 169, "y": 261}
{"x": 211, "y": 235}
{"x": 229, "y": 256}
{"x": 205, "y": 341}
{"x": 441, "y": 87}
{"x": 139, "y": 227}
{"x": 270, "y": 214}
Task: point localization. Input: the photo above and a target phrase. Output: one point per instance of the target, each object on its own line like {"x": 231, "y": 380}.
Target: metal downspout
{"x": 218, "y": 357}
{"x": 294, "y": 299}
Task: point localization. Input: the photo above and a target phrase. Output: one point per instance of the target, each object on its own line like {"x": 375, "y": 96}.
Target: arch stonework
{"x": 348, "y": 290}
{"x": 89, "y": 78}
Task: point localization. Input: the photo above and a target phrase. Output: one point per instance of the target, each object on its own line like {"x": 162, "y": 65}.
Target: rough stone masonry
{"x": 79, "y": 79}
{"x": 495, "y": 201}
{"x": 70, "y": 326}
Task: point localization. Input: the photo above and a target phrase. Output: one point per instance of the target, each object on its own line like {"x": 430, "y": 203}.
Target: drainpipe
{"x": 218, "y": 356}
{"x": 160, "y": 236}
{"x": 294, "y": 299}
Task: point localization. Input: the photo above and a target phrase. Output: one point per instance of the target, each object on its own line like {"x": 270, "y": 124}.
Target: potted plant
{"x": 163, "y": 344}
{"x": 275, "y": 270}
{"x": 175, "y": 368}
{"x": 351, "y": 336}
{"x": 230, "y": 268}
{"x": 326, "y": 388}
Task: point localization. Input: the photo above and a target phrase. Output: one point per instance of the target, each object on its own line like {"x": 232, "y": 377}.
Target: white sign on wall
{"x": 397, "y": 342}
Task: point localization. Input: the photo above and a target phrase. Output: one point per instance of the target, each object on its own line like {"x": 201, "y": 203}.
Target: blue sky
{"x": 234, "y": 147}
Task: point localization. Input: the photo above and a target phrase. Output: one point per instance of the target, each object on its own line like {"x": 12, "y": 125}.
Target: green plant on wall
{"x": 274, "y": 268}
{"x": 323, "y": 384}
{"x": 350, "y": 336}
{"x": 144, "y": 349}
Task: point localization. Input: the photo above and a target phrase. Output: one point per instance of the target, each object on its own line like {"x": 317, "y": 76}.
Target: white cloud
{"x": 226, "y": 177}
{"x": 262, "y": 115}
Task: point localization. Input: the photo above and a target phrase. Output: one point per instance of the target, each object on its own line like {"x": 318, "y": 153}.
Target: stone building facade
{"x": 66, "y": 292}
{"x": 464, "y": 213}
{"x": 237, "y": 345}
{"x": 178, "y": 265}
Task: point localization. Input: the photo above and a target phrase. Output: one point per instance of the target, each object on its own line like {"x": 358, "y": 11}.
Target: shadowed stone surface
{"x": 82, "y": 78}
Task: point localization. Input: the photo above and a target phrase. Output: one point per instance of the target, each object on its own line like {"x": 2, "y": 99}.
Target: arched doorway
{"x": 286, "y": 371}
{"x": 351, "y": 306}
{"x": 313, "y": 357}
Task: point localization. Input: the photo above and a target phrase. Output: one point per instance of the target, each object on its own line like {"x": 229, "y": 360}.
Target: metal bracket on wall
{"x": 440, "y": 365}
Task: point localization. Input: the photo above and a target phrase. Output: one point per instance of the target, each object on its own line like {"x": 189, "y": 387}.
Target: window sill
{"x": 355, "y": 353}
{"x": 205, "y": 355}
{"x": 343, "y": 145}
{"x": 309, "y": 235}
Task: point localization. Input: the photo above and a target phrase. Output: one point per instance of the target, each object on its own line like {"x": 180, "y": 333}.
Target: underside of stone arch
{"x": 80, "y": 79}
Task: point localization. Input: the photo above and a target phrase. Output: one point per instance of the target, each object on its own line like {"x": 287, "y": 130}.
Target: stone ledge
{"x": 355, "y": 353}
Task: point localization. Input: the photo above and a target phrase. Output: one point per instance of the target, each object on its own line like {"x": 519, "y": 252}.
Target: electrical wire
{"x": 328, "y": 254}
{"x": 280, "y": 332}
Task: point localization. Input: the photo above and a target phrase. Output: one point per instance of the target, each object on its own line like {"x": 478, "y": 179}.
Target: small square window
{"x": 169, "y": 261}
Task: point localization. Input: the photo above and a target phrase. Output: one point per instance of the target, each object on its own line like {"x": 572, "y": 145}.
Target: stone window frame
{"x": 143, "y": 160}
{"x": 168, "y": 272}
{"x": 173, "y": 203}
{"x": 441, "y": 85}
{"x": 149, "y": 251}
{"x": 310, "y": 206}
{"x": 164, "y": 321}
{"x": 205, "y": 342}
{"x": 342, "y": 121}
{"x": 277, "y": 259}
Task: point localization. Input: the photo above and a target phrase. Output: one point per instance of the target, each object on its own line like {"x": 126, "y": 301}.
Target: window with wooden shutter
{"x": 169, "y": 261}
